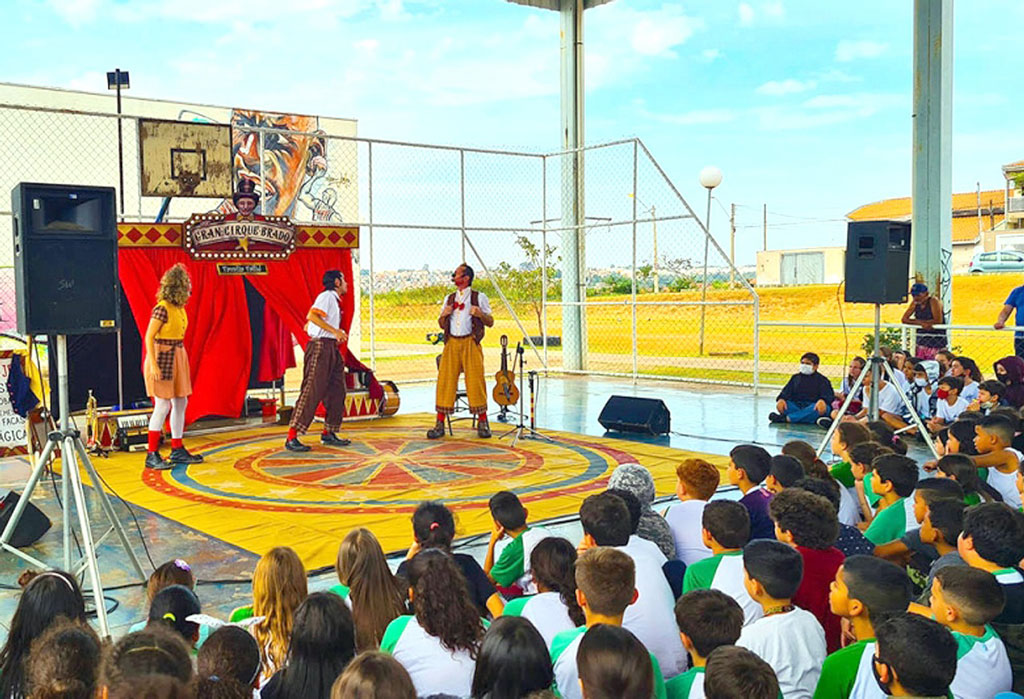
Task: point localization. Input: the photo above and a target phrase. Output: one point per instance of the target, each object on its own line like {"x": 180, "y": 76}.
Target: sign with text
{"x": 13, "y": 437}
{"x": 241, "y": 268}
{"x": 233, "y": 236}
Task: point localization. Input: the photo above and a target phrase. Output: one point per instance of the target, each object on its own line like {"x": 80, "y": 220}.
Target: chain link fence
{"x": 655, "y": 298}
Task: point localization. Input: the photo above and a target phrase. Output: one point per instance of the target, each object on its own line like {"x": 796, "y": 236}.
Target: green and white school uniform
{"x": 888, "y": 525}
{"x": 982, "y": 666}
{"x": 342, "y": 591}
{"x": 847, "y": 674}
{"x": 689, "y": 685}
{"x": 655, "y": 605}
{"x": 512, "y": 559}
{"x": 724, "y": 572}
{"x": 567, "y": 676}
{"x": 546, "y": 611}
{"x": 433, "y": 668}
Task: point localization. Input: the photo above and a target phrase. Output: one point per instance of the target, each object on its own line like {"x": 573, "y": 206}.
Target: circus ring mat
{"x": 252, "y": 493}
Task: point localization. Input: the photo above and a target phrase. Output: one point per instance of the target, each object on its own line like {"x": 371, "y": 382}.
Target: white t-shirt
{"x": 948, "y": 412}
{"x": 982, "y": 666}
{"x": 970, "y": 392}
{"x": 849, "y": 511}
{"x": 685, "y": 521}
{"x": 545, "y": 610}
{"x": 794, "y": 645}
{"x": 646, "y": 547}
{"x": 901, "y": 379}
{"x": 652, "y": 617}
{"x": 531, "y": 537}
{"x": 889, "y": 400}
{"x": 433, "y": 668}
{"x": 1006, "y": 485}
{"x": 329, "y": 302}
{"x": 461, "y": 323}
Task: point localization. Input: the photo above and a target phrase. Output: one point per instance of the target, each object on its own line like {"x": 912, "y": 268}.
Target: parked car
{"x": 999, "y": 261}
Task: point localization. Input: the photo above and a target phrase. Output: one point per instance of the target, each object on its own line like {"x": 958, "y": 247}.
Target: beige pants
{"x": 461, "y": 354}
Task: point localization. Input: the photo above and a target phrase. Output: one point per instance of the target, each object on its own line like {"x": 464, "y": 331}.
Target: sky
{"x": 804, "y": 106}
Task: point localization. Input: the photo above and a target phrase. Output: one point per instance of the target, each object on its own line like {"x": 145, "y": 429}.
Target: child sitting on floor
{"x": 706, "y": 619}
{"x": 171, "y": 608}
{"x": 788, "y": 638}
{"x": 808, "y": 523}
{"x": 965, "y": 600}
{"x": 696, "y": 481}
{"x": 784, "y": 472}
{"x": 894, "y": 481}
{"x": 368, "y": 587}
{"x": 914, "y": 657}
{"x": 733, "y": 672}
{"x": 990, "y": 395}
{"x": 949, "y": 405}
{"x": 851, "y": 540}
{"x": 605, "y": 588}
{"x": 994, "y": 436}
{"x": 993, "y": 540}
{"x": 554, "y": 608}
{"x": 748, "y": 467}
{"x": 725, "y": 529}
{"x": 866, "y": 591}
{"x": 511, "y": 543}
{"x": 961, "y": 469}
{"x": 613, "y": 663}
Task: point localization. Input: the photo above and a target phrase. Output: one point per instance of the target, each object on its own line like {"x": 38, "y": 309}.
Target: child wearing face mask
{"x": 807, "y": 395}
{"x": 1010, "y": 371}
{"x": 949, "y": 405}
{"x": 990, "y": 395}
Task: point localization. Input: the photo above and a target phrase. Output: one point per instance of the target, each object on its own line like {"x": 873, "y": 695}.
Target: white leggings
{"x": 174, "y": 406}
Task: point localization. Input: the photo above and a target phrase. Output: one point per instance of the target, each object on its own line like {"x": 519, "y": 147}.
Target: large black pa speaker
{"x": 32, "y": 525}
{"x": 65, "y": 259}
{"x": 628, "y": 414}
{"x": 877, "y": 261}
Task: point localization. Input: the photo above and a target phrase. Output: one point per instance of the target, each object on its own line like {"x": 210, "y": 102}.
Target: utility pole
{"x": 732, "y": 245}
{"x": 765, "y": 228}
{"x": 654, "y": 222}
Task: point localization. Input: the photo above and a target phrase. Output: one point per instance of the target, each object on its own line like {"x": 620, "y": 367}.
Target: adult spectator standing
{"x": 925, "y": 311}
{"x": 1015, "y": 301}
{"x": 806, "y": 396}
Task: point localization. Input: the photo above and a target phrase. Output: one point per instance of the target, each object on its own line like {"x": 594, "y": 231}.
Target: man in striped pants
{"x": 323, "y": 369}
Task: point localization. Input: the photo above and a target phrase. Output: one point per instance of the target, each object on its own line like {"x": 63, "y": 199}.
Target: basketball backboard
{"x": 185, "y": 159}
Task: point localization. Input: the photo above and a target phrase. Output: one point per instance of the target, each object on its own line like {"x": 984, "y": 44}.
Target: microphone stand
{"x": 522, "y": 430}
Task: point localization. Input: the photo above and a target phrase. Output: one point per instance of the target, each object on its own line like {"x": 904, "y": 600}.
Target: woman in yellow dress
{"x": 168, "y": 380}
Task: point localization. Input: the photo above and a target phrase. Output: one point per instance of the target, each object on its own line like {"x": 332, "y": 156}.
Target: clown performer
{"x": 463, "y": 317}
{"x": 168, "y": 380}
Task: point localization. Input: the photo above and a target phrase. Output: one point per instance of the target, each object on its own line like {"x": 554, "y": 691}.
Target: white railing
{"x": 1015, "y": 205}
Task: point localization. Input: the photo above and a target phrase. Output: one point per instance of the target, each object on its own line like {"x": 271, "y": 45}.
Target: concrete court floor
{"x": 704, "y": 418}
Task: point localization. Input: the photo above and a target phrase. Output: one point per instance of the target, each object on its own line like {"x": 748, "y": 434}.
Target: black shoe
{"x": 181, "y": 455}
{"x": 483, "y": 429}
{"x": 333, "y": 440}
{"x": 296, "y": 445}
{"x": 776, "y": 418}
{"x": 824, "y": 421}
{"x": 156, "y": 462}
{"x": 437, "y": 431}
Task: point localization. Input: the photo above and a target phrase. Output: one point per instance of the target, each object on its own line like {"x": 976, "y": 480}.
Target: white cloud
{"x": 709, "y": 55}
{"x": 774, "y": 10}
{"x": 746, "y": 14}
{"x": 90, "y": 81}
{"x": 828, "y": 110}
{"x": 849, "y": 50}
{"x": 76, "y": 12}
{"x": 368, "y": 45}
{"x": 777, "y": 88}
{"x": 659, "y": 32}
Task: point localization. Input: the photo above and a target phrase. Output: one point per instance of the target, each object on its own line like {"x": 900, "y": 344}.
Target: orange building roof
{"x": 1019, "y": 165}
{"x": 965, "y": 228}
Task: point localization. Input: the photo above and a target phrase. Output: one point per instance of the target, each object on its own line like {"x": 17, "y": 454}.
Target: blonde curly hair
{"x": 175, "y": 286}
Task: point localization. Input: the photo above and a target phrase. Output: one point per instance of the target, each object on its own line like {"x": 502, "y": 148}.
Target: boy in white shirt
{"x": 696, "y": 481}
{"x": 965, "y": 600}
{"x": 788, "y": 638}
{"x": 949, "y": 404}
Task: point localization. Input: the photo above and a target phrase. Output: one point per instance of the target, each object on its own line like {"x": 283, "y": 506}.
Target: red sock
{"x": 176, "y": 443}
{"x": 154, "y": 440}
{"x": 292, "y": 433}
{"x": 326, "y": 433}
{"x": 482, "y": 417}
{"x": 440, "y": 417}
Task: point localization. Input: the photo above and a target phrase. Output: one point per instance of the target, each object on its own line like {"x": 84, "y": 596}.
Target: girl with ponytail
{"x": 438, "y": 644}
{"x": 554, "y": 609}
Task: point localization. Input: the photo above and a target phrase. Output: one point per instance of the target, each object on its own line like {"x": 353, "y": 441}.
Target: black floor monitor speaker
{"x": 65, "y": 259}
{"x": 877, "y": 261}
{"x": 32, "y": 525}
{"x": 628, "y": 414}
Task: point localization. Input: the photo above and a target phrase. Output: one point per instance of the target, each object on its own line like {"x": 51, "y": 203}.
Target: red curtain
{"x": 218, "y": 339}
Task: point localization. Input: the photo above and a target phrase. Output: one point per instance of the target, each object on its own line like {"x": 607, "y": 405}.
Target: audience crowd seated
{"x": 915, "y": 589}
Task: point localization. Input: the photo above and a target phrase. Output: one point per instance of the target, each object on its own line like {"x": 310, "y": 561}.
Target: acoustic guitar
{"x": 505, "y": 390}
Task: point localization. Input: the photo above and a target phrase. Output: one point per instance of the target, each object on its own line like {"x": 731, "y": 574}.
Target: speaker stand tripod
{"x": 73, "y": 454}
{"x": 522, "y": 430}
{"x": 879, "y": 365}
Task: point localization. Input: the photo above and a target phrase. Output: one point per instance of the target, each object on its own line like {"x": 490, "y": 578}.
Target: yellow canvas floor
{"x": 252, "y": 493}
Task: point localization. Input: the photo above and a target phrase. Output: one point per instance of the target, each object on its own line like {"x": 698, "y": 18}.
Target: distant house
{"x": 982, "y": 222}
{"x": 800, "y": 267}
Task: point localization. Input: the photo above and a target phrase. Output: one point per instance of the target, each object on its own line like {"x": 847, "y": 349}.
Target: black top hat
{"x": 246, "y": 190}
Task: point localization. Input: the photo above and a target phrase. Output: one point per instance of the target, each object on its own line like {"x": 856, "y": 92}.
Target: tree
{"x": 525, "y": 283}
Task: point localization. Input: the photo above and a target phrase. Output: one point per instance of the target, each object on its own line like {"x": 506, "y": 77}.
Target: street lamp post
{"x": 710, "y": 177}
{"x": 116, "y": 80}
{"x": 654, "y": 224}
